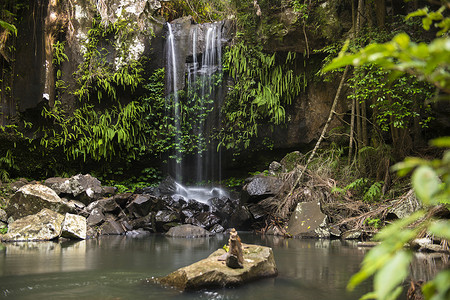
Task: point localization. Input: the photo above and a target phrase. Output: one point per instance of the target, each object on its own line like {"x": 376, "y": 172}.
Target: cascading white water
{"x": 210, "y": 64}
{"x": 172, "y": 98}
{"x": 200, "y": 93}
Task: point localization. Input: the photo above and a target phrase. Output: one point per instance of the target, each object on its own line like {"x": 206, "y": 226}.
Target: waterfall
{"x": 172, "y": 100}
{"x": 204, "y": 42}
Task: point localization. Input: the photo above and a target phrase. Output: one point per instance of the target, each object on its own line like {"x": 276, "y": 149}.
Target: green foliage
{"x": 374, "y": 192}
{"x": 393, "y": 103}
{"x": 8, "y": 27}
{"x": 389, "y": 262}
{"x": 428, "y": 62}
{"x": 3, "y": 229}
{"x": 89, "y": 133}
{"x": 7, "y": 162}
{"x": 96, "y": 76}
{"x": 373, "y": 222}
{"x": 201, "y": 10}
{"x": 361, "y": 187}
{"x": 58, "y": 53}
{"x": 233, "y": 182}
{"x": 429, "y": 17}
{"x": 263, "y": 85}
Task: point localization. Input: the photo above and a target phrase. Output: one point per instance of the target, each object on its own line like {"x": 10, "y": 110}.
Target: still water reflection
{"x": 116, "y": 268}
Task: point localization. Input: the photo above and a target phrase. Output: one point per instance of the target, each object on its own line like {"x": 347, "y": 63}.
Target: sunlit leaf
{"x": 443, "y": 142}
{"x": 441, "y": 229}
{"x": 392, "y": 274}
{"x": 426, "y": 184}
{"x": 438, "y": 288}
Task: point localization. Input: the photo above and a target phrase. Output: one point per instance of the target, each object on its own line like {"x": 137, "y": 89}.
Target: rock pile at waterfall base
{"x": 106, "y": 213}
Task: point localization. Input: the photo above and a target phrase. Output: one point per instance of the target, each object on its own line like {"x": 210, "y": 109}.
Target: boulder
{"x": 140, "y": 205}
{"x": 223, "y": 207}
{"x": 95, "y": 217}
{"x": 275, "y": 168}
{"x": 188, "y": 231}
{"x": 43, "y": 226}
{"x": 32, "y": 198}
{"x": 217, "y": 229}
{"x": 105, "y": 205}
{"x": 168, "y": 186}
{"x": 122, "y": 199}
{"x": 260, "y": 187}
{"x": 82, "y": 187}
{"x": 111, "y": 227}
{"x": 241, "y": 218}
{"x": 308, "y": 220}
{"x": 207, "y": 219}
{"x": 212, "y": 272}
{"x": 164, "y": 219}
{"x": 197, "y": 206}
{"x": 74, "y": 227}
{"x": 109, "y": 190}
{"x": 291, "y": 160}
{"x": 3, "y": 216}
{"x": 146, "y": 223}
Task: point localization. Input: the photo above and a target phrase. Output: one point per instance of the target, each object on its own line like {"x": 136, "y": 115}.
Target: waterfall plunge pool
{"x": 116, "y": 267}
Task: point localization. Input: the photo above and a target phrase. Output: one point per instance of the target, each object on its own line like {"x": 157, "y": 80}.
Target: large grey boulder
{"x": 212, "y": 272}
{"x": 308, "y": 221}
{"x": 43, "y": 226}
{"x": 188, "y": 231}
{"x": 32, "y": 198}
{"x": 81, "y": 187}
{"x": 260, "y": 187}
{"x": 74, "y": 227}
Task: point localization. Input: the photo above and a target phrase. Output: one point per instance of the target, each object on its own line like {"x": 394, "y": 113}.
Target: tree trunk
{"x": 285, "y": 206}
{"x": 365, "y": 138}
{"x": 380, "y": 10}
{"x": 359, "y": 16}
{"x": 352, "y": 129}
{"x": 417, "y": 128}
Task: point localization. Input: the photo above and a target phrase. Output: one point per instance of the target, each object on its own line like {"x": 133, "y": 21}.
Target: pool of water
{"x": 116, "y": 267}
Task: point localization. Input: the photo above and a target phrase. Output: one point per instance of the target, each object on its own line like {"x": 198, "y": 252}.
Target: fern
{"x": 264, "y": 85}
{"x": 374, "y": 192}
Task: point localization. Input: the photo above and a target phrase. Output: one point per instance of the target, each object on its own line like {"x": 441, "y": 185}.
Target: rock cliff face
{"x": 281, "y": 29}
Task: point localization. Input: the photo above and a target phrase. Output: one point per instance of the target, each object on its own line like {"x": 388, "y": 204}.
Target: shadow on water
{"x": 116, "y": 267}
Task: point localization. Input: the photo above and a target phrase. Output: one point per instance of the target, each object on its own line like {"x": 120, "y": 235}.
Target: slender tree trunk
{"x": 359, "y": 15}
{"x": 380, "y": 10}
{"x": 365, "y": 138}
{"x": 285, "y": 206}
{"x": 352, "y": 129}
{"x": 417, "y": 128}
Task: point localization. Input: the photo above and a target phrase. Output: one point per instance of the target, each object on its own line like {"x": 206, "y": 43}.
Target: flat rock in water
{"x": 188, "y": 231}
{"x": 212, "y": 272}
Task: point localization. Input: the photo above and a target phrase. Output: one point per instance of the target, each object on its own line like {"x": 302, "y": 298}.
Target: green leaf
{"x": 9, "y": 27}
{"x": 426, "y": 184}
{"x": 442, "y": 142}
{"x": 441, "y": 229}
{"x": 439, "y": 287}
{"x": 391, "y": 275}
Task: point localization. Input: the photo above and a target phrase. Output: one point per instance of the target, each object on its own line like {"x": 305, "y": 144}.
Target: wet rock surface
{"x": 43, "y": 226}
{"x": 32, "y": 198}
{"x": 308, "y": 221}
{"x": 212, "y": 272}
{"x": 188, "y": 231}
